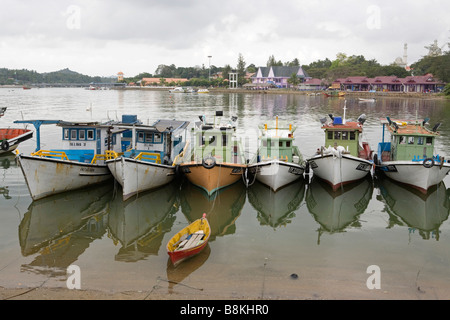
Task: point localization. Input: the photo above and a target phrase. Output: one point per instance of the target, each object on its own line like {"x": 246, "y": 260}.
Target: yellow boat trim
{"x": 52, "y": 154}
{"x": 109, "y": 155}
{"x": 149, "y": 156}
{"x": 197, "y": 225}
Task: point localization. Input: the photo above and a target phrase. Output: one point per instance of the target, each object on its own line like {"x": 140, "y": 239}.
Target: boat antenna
{"x": 345, "y": 108}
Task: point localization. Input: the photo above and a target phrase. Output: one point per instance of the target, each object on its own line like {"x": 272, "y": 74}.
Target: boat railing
{"x": 109, "y": 155}
{"x": 149, "y": 156}
{"x": 51, "y": 154}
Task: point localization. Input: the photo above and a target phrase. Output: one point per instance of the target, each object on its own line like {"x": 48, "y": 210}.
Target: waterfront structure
{"x": 278, "y": 76}
{"x": 157, "y": 81}
{"x": 425, "y": 83}
{"x": 120, "y": 76}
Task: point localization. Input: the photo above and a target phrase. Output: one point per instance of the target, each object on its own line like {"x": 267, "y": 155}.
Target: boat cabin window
{"x": 352, "y": 135}
{"x": 330, "y": 135}
{"x": 66, "y": 134}
{"x": 410, "y": 140}
{"x": 73, "y": 134}
{"x": 337, "y": 135}
{"x": 288, "y": 144}
{"x": 81, "y": 134}
{"x": 90, "y": 134}
{"x": 344, "y": 135}
{"x": 429, "y": 141}
{"x": 280, "y": 144}
{"x": 157, "y": 137}
{"x": 141, "y": 137}
{"x": 148, "y": 137}
{"x": 402, "y": 140}
{"x": 420, "y": 141}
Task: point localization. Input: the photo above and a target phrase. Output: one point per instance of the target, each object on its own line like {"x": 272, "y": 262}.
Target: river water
{"x": 303, "y": 242}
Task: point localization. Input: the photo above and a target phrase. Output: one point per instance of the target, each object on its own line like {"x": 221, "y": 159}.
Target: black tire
{"x": 209, "y": 162}
{"x": 428, "y": 162}
{"x": 5, "y": 145}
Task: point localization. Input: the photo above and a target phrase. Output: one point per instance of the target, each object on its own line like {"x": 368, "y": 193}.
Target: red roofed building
{"x": 424, "y": 83}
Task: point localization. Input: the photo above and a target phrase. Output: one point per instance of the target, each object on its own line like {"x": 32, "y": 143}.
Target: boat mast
{"x": 345, "y": 108}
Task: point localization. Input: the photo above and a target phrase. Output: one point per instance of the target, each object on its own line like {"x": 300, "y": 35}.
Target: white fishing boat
{"x": 80, "y": 161}
{"x": 149, "y": 162}
{"x": 410, "y": 156}
{"x": 278, "y": 161}
{"x": 202, "y": 90}
{"x": 347, "y": 158}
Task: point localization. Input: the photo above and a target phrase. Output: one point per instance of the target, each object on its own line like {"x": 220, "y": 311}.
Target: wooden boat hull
{"x": 11, "y": 137}
{"x": 48, "y": 176}
{"x": 414, "y": 173}
{"x": 338, "y": 171}
{"x": 137, "y": 176}
{"x": 177, "y": 256}
{"x": 212, "y": 179}
{"x": 276, "y": 174}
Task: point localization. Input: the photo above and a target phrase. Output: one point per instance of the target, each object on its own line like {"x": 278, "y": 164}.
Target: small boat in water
{"x": 217, "y": 158}
{"x": 334, "y": 93}
{"x": 347, "y": 158}
{"x": 410, "y": 156}
{"x": 79, "y": 163}
{"x": 278, "y": 162}
{"x": 149, "y": 161}
{"x": 202, "y": 90}
{"x": 11, "y": 137}
{"x": 189, "y": 241}
{"x": 366, "y": 100}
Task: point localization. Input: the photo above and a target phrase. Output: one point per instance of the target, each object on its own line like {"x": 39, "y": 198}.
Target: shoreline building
{"x": 277, "y": 76}
{"x": 425, "y": 83}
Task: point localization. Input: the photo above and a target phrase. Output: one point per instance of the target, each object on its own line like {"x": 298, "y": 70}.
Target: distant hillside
{"x": 64, "y": 76}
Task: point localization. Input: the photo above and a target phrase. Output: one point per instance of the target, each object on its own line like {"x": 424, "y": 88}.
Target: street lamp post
{"x": 209, "y": 72}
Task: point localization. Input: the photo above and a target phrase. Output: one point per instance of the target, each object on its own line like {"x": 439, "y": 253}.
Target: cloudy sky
{"x": 96, "y": 37}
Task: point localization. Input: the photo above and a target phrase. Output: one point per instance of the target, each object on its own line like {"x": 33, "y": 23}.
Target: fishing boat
{"x": 334, "y": 93}
{"x": 190, "y": 241}
{"x": 80, "y": 161}
{"x": 202, "y": 90}
{"x": 216, "y": 158}
{"x": 149, "y": 161}
{"x": 278, "y": 161}
{"x": 347, "y": 158}
{"x": 11, "y": 137}
{"x": 410, "y": 156}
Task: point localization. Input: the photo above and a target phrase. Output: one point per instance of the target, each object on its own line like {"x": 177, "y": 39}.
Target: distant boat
{"x": 331, "y": 94}
{"x": 190, "y": 241}
{"x": 26, "y": 88}
{"x": 366, "y": 100}
{"x": 202, "y": 91}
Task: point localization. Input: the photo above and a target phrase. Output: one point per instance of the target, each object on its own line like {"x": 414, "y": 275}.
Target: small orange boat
{"x": 189, "y": 241}
{"x": 11, "y": 137}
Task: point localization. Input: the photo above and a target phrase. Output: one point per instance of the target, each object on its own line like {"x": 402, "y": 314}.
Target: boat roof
{"x": 349, "y": 125}
{"x": 159, "y": 126}
{"x": 408, "y": 127}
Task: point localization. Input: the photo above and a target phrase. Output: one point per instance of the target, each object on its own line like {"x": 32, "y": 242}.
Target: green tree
{"x": 240, "y": 69}
{"x": 294, "y": 80}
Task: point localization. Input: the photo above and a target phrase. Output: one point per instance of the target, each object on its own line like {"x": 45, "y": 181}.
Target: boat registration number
{"x": 295, "y": 171}
{"x": 390, "y": 168}
{"x": 363, "y": 167}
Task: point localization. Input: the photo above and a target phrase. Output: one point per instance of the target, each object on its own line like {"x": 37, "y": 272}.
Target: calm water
{"x": 259, "y": 239}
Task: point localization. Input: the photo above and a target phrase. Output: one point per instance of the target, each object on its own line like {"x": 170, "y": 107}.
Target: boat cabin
{"x": 158, "y": 143}
{"x": 81, "y": 141}
{"x": 409, "y": 140}
{"x": 277, "y": 142}
{"x": 217, "y": 140}
{"x": 342, "y": 134}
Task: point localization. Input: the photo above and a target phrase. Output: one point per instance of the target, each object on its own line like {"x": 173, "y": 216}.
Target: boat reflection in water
{"x": 61, "y": 227}
{"x": 222, "y": 208}
{"x": 337, "y": 210}
{"x": 140, "y": 223}
{"x": 276, "y": 208}
{"x": 419, "y": 211}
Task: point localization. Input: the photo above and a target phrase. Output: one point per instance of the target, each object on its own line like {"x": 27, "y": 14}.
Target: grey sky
{"x": 103, "y": 37}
